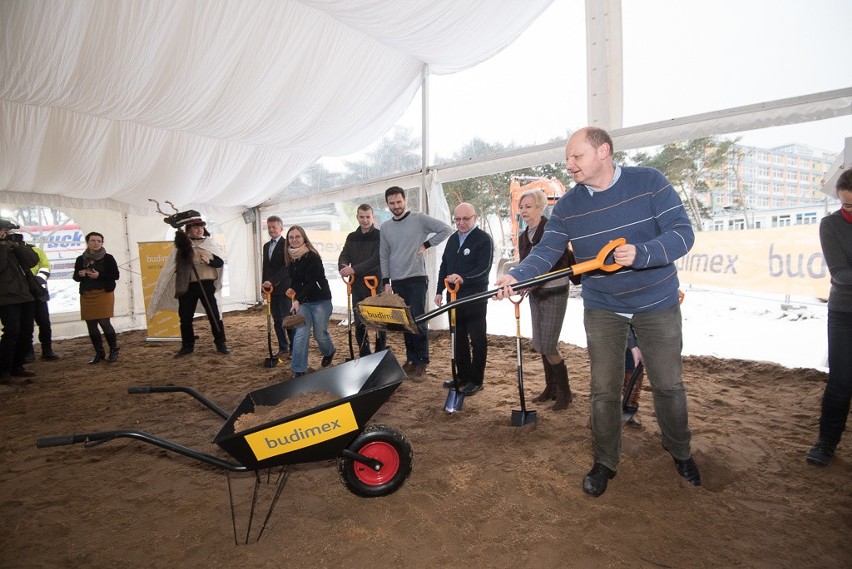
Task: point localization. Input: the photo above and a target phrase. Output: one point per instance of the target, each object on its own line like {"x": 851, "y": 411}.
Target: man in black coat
{"x": 360, "y": 257}
{"x": 17, "y": 309}
{"x": 274, "y": 274}
{"x": 467, "y": 260}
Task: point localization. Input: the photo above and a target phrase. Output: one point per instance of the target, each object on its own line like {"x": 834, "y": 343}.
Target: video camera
{"x": 13, "y": 238}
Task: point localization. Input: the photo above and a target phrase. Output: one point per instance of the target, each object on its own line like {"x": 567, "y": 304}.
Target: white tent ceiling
{"x": 215, "y": 104}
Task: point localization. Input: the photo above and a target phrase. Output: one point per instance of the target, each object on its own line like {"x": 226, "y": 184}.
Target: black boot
{"x": 47, "y": 352}
{"x": 98, "y": 343}
{"x": 549, "y": 392}
{"x": 113, "y": 348}
{"x": 221, "y": 346}
{"x": 564, "y": 397}
{"x": 185, "y": 350}
{"x": 30, "y": 356}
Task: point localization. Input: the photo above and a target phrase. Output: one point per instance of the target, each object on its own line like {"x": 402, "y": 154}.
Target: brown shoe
{"x": 419, "y": 372}
{"x": 408, "y": 367}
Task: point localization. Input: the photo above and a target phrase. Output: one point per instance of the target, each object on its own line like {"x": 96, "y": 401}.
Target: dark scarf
{"x": 93, "y": 256}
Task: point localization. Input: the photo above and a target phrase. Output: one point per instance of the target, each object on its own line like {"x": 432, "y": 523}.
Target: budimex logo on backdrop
{"x": 304, "y": 432}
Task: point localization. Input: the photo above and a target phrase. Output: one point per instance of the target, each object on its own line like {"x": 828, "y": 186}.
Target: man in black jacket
{"x": 274, "y": 274}
{"x": 467, "y": 260}
{"x": 359, "y": 259}
{"x": 17, "y": 309}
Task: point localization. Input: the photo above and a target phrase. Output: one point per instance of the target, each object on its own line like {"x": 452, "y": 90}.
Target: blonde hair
{"x": 538, "y": 196}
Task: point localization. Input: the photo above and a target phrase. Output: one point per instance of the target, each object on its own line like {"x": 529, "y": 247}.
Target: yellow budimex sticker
{"x": 304, "y": 432}
{"x": 386, "y": 314}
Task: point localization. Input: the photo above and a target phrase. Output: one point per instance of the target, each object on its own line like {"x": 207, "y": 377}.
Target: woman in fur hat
{"x": 192, "y": 272}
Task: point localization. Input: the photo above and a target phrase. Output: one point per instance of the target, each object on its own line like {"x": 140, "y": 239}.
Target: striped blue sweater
{"x": 643, "y": 208}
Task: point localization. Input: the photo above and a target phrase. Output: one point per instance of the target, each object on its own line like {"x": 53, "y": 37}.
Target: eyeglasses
{"x": 465, "y": 219}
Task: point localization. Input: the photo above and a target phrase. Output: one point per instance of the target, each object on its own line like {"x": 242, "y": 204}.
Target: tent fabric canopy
{"x": 216, "y": 105}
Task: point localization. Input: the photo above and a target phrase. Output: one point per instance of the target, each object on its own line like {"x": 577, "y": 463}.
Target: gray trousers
{"x": 660, "y": 338}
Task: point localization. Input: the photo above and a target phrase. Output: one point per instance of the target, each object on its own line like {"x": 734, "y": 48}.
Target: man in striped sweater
{"x": 639, "y": 204}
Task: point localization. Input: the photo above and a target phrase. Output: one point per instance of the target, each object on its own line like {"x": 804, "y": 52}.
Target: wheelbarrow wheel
{"x": 386, "y": 445}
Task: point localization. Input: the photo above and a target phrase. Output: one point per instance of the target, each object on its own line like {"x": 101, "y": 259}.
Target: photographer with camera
{"x": 16, "y": 302}
{"x": 97, "y": 271}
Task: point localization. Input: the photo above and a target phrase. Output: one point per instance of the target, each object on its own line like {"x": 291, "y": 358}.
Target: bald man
{"x": 467, "y": 260}
{"x": 640, "y": 205}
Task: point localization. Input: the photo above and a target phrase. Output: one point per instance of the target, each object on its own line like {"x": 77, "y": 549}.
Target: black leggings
{"x": 105, "y": 324}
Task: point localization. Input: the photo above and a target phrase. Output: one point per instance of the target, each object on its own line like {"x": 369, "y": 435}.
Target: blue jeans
{"x": 316, "y": 316}
{"x": 660, "y": 338}
{"x": 838, "y": 390}
{"x": 279, "y": 307}
{"x": 416, "y": 345}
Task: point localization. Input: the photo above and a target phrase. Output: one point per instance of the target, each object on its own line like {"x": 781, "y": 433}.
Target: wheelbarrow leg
{"x": 279, "y": 486}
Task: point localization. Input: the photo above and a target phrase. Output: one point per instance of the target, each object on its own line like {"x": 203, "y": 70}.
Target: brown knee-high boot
{"x": 549, "y": 392}
{"x": 564, "y": 397}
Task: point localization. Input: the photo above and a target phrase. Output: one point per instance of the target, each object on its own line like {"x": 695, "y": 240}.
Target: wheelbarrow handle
{"x": 105, "y": 436}
{"x": 145, "y": 389}
{"x": 579, "y": 268}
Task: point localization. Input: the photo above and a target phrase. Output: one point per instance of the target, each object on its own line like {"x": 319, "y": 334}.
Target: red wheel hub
{"x": 385, "y": 453}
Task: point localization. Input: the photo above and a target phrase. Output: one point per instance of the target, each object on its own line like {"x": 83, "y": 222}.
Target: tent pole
{"x": 424, "y": 139}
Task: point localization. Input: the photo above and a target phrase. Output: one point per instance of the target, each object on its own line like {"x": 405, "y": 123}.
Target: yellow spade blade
{"x": 391, "y": 318}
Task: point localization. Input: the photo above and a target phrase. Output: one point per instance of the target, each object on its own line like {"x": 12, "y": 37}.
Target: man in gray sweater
{"x": 402, "y": 247}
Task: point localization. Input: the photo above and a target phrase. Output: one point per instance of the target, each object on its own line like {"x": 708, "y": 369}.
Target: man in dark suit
{"x": 274, "y": 274}
{"x": 466, "y": 262}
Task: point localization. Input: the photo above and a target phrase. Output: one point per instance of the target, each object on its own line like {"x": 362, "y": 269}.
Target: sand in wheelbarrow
{"x": 384, "y": 299}
{"x": 268, "y": 413}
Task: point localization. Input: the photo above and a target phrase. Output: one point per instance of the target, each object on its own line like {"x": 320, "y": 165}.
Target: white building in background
{"x": 775, "y": 187}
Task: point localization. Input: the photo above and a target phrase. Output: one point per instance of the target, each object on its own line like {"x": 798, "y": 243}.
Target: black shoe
{"x": 449, "y": 384}
{"x": 113, "y": 355}
{"x": 326, "y": 360}
{"x": 184, "y": 351}
{"x": 21, "y": 372}
{"x": 29, "y": 358}
{"x": 222, "y": 347}
{"x": 98, "y": 357}
{"x": 689, "y": 470}
{"x": 594, "y": 483}
{"x": 49, "y": 355}
{"x": 471, "y": 388}
{"x": 298, "y": 373}
{"x": 820, "y": 454}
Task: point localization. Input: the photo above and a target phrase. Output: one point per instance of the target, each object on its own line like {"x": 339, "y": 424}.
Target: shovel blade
{"x": 521, "y": 417}
{"x": 455, "y": 401}
{"x": 270, "y": 362}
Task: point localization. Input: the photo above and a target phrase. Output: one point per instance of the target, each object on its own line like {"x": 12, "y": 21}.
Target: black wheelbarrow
{"x": 372, "y": 460}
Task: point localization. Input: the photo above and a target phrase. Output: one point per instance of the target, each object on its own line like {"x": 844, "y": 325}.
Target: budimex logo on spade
{"x": 304, "y": 432}
{"x": 382, "y": 313}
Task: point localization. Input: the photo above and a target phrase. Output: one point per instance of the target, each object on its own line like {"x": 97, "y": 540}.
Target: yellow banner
{"x": 304, "y": 432}
{"x": 152, "y": 256}
{"x": 785, "y": 260}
